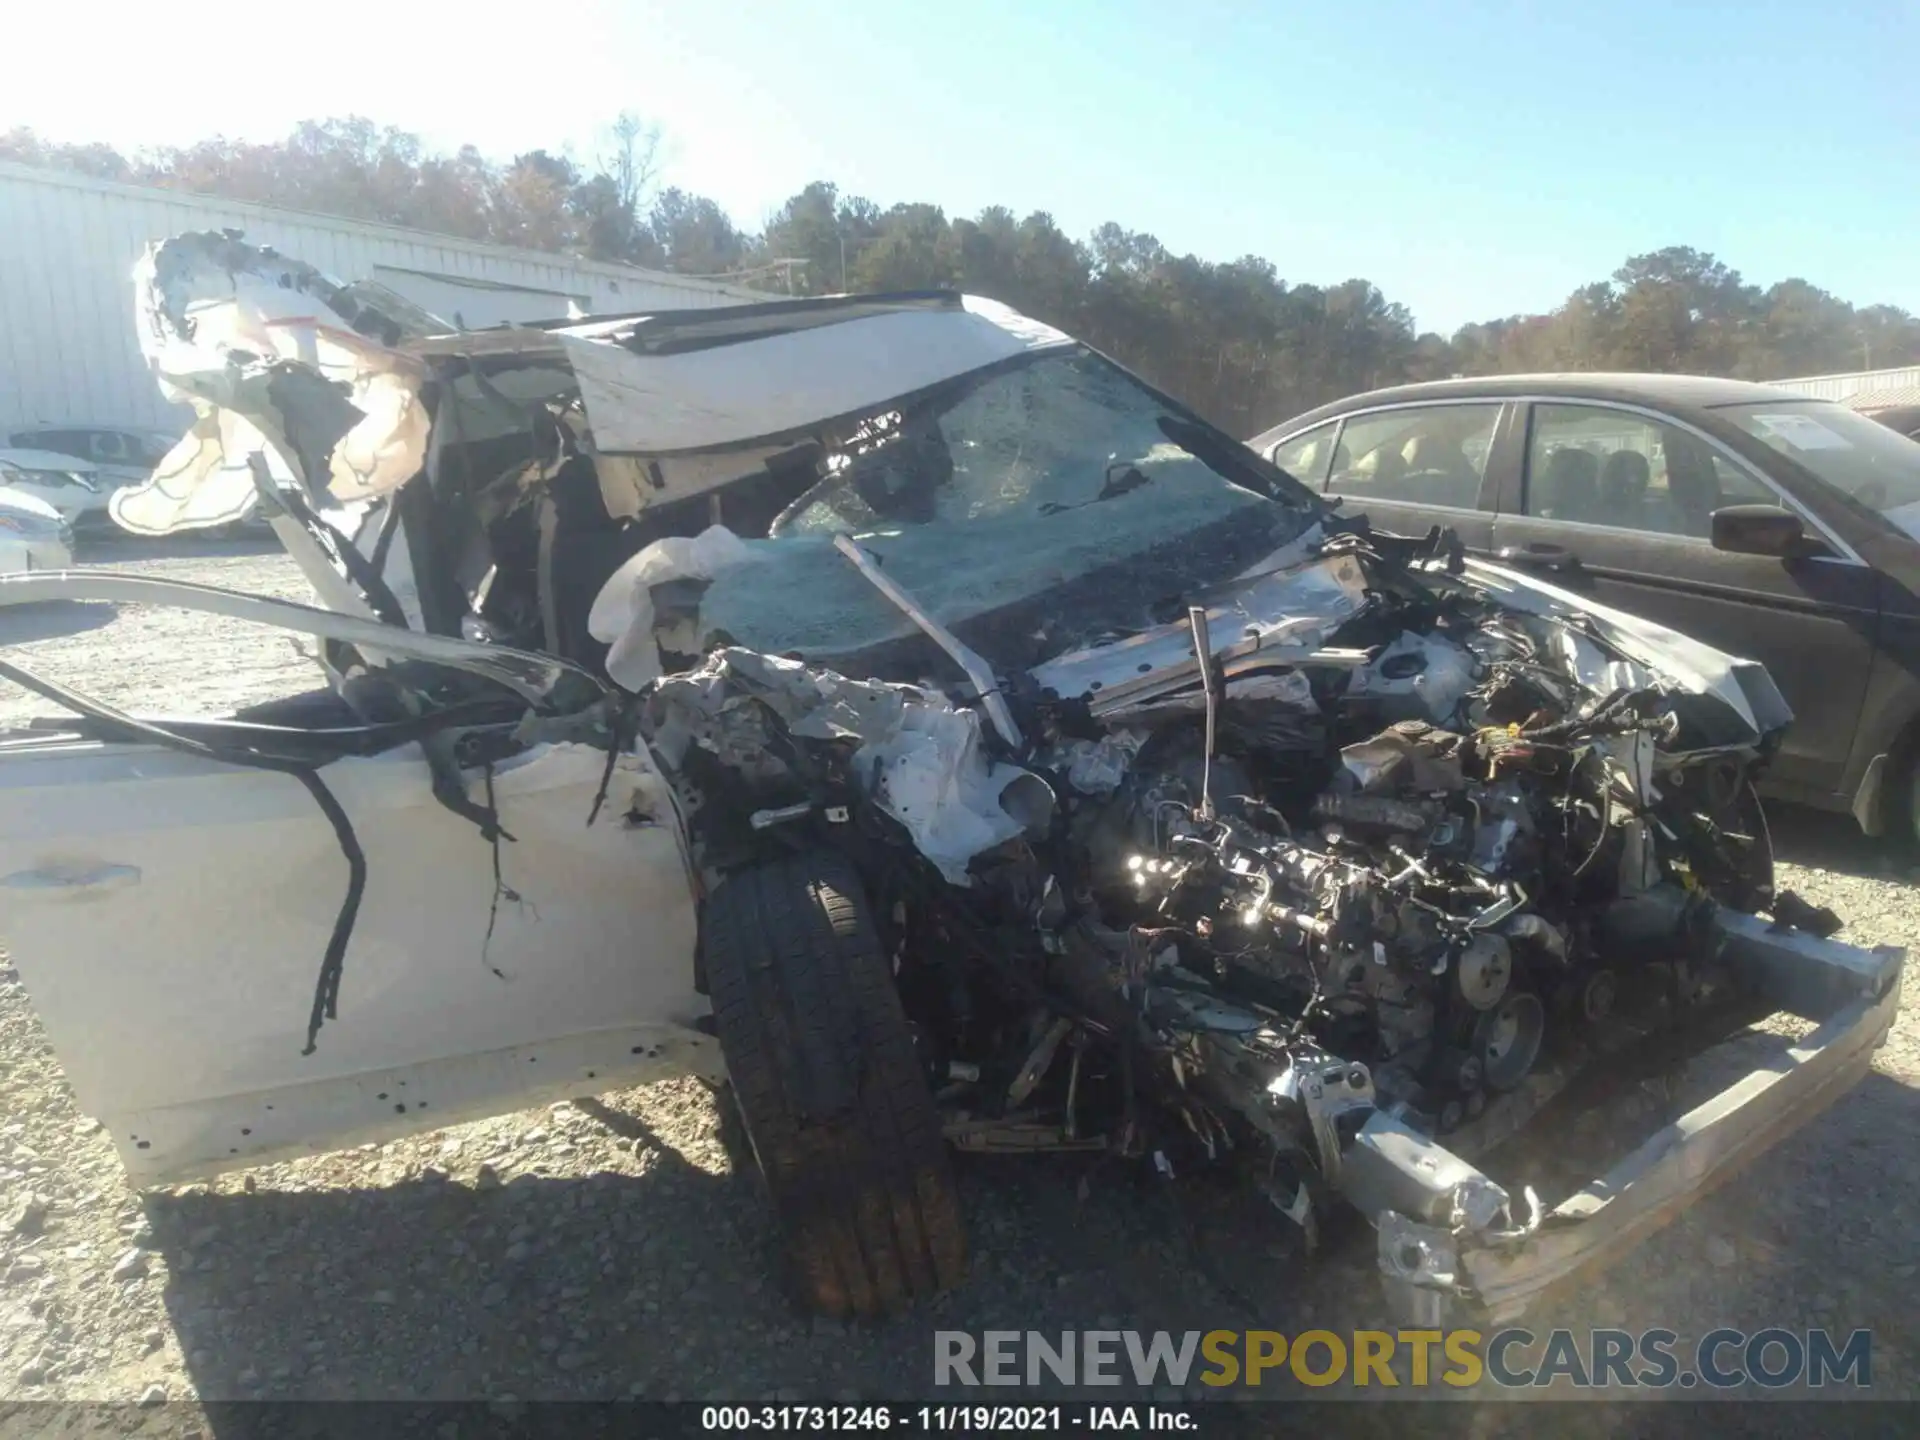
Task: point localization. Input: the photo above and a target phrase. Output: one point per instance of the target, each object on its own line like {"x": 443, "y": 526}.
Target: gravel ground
{"x": 617, "y": 1246}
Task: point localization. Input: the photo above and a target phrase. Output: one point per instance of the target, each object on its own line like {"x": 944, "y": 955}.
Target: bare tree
{"x": 634, "y": 161}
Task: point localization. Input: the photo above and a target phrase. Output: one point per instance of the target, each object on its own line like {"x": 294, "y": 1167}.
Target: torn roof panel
{"x": 731, "y": 394}
{"x": 660, "y": 332}
{"x": 227, "y": 322}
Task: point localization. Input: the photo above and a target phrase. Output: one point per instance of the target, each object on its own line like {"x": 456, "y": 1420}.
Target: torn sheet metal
{"x": 919, "y": 759}
{"x": 1281, "y": 616}
{"x": 729, "y": 394}
{"x": 1687, "y": 1158}
{"x": 1425, "y": 672}
{"x": 309, "y": 362}
{"x": 1742, "y": 685}
{"x": 537, "y": 679}
{"x": 622, "y": 614}
{"x": 932, "y": 775}
{"x": 1289, "y": 689}
{"x": 1096, "y": 767}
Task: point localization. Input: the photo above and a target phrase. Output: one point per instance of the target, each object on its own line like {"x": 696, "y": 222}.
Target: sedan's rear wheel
{"x": 833, "y": 1097}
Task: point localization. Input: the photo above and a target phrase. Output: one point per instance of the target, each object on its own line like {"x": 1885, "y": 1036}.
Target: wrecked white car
{"x": 979, "y": 747}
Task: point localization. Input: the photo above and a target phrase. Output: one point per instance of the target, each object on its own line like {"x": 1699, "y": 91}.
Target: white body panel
{"x": 168, "y": 916}
{"x": 17, "y": 554}
{"x": 30, "y": 534}
{"x": 729, "y": 395}
{"x": 68, "y": 350}
{"x": 50, "y": 478}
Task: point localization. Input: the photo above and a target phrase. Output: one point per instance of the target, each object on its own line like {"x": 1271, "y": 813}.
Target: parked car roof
{"x": 1703, "y": 392}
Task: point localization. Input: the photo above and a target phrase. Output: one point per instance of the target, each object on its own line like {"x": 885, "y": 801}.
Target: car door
{"x": 1615, "y": 502}
{"x": 168, "y": 915}
{"x": 1410, "y": 467}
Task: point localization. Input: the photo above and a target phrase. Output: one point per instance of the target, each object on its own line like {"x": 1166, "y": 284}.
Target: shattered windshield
{"x": 1063, "y": 474}
{"x": 1033, "y": 441}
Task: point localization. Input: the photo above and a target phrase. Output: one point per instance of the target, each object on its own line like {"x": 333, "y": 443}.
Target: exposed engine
{"x": 1427, "y": 900}
{"x": 1402, "y": 856}
{"x": 1397, "y": 923}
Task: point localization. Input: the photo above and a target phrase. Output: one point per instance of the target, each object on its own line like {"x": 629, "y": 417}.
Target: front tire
{"x": 833, "y": 1097}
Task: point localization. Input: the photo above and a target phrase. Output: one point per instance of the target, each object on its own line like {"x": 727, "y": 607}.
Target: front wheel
{"x": 833, "y": 1097}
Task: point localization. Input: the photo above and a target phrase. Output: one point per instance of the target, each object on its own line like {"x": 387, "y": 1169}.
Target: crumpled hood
{"x": 1742, "y": 685}
{"x": 1296, "y": 600}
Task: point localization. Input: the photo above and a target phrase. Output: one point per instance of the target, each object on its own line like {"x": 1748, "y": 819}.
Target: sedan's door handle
{"x": 1540, "y": 557}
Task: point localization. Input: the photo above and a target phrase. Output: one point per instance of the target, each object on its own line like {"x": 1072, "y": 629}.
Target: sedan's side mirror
{"x": 1762, "y": 530}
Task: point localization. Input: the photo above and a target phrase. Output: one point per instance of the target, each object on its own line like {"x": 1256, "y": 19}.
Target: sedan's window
{"x": 61, "y": 442}
{"x": 109, "y": 446}
{"x": 1863, "y": 459}
{"x": 1420, "y": 455}
{"x": 1595, "y": 466}
{"x": 1306, "y": 457}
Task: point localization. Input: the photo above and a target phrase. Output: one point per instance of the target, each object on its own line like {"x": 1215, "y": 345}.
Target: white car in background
{"x": 72, "y": 486}
{"x": 33, "y": 536}
{"x": 120, "y": 455}
{"x": 116, "y": 456}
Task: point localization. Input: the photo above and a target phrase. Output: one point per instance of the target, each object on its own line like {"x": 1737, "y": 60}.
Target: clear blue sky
{"x": 1471, "y": 160}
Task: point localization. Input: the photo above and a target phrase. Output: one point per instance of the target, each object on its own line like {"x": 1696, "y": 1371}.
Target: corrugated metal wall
{"x": 68, "y": 352}
{"x": 1840, "y": 387}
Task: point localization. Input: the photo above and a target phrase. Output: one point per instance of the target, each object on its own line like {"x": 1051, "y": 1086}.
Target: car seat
{"x": 1569, "y": 487}
{"x": 1694, "y": 487}
{"x": 1389, "y": 470}
{"x": 1446, "y": 475}
{"x": 1623, "y": 489}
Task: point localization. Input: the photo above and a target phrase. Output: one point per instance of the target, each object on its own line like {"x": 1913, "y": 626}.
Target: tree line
{"x": 1242, "y": 345}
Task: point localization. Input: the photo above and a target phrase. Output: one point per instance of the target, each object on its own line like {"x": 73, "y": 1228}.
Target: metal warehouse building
{"x": 1863, "y": 390}
{"x": 68, "y": 353}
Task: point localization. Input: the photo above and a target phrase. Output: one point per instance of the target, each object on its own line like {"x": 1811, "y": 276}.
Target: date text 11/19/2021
{"x": 947, "y": 1419}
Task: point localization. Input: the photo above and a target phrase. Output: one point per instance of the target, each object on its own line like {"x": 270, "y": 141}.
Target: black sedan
{"x": 1746, "y": 516}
